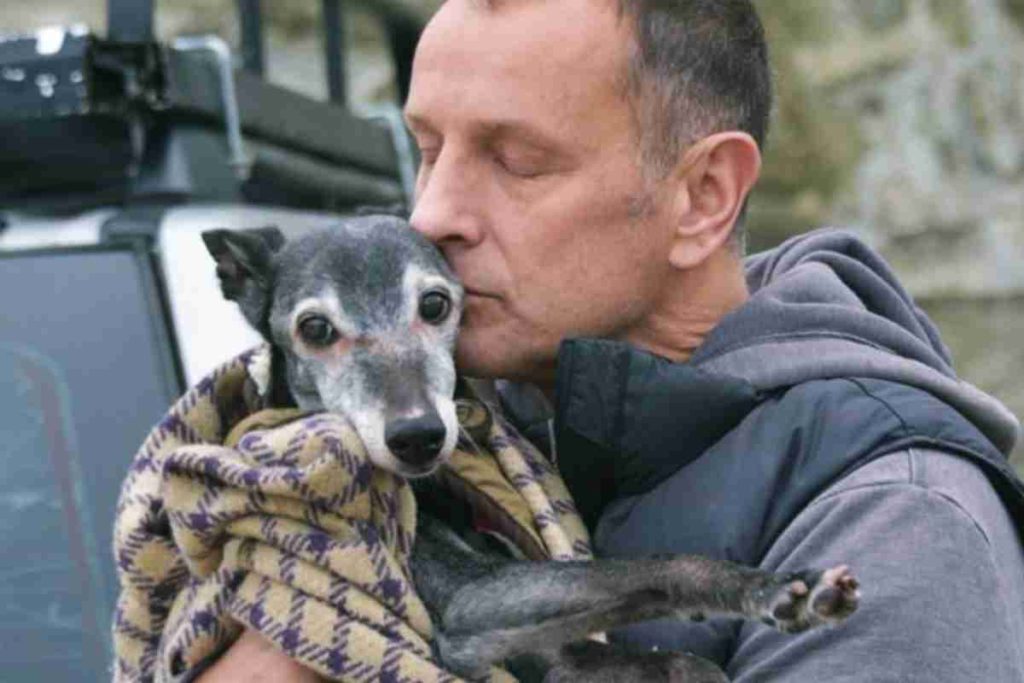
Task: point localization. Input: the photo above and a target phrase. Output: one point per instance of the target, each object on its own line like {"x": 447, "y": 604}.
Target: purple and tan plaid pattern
{"x": 235, "y": 516}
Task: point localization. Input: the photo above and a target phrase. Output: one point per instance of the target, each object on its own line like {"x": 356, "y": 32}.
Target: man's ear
{"x": 713, "y": 182}
{"x": 243, "y": 257}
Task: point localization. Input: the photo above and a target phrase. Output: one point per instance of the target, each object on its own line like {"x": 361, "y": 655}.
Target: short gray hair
{"x": 699, "y": 67}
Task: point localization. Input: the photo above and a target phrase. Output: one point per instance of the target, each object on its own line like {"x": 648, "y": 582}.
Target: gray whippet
{"x": 362, "y": 320}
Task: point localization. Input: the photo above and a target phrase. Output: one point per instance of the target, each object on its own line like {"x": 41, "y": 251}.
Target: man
{"x": 585, "y": 169}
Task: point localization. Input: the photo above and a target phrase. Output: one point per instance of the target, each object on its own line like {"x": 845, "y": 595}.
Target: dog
{"x": 362, "y": 320}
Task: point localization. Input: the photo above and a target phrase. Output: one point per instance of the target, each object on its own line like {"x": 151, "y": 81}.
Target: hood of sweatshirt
{"x": 823, "y": 305}
{"x": 826, "y": 305}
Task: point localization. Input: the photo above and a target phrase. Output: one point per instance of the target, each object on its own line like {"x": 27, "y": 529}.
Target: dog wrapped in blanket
{"x": 340, "y": 492}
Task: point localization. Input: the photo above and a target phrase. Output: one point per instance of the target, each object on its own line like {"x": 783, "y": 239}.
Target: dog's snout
{"x": 416, "y": 441}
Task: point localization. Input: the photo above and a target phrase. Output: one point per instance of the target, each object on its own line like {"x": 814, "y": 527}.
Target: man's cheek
{"x": 479, "y": 311}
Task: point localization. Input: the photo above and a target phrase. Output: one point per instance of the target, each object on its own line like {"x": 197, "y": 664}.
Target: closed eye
{"x": 428, "y": 142}
{"x": 520, "y": 169}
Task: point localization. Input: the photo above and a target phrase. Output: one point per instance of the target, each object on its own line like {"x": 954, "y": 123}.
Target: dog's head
{"x": 365, "y": 316}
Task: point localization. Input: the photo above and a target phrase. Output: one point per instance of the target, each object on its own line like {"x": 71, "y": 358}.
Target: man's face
{"x": 531, "y": 182}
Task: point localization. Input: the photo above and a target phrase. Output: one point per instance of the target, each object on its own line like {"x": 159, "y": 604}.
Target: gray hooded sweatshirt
{"x": 820, "y": 424}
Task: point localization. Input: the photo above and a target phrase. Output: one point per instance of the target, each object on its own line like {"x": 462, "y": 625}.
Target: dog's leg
{"x": 490, "y": 609}
{"x": 536, "y": 607}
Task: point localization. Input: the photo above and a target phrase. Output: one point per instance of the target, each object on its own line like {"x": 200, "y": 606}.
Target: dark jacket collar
{"x": 625, "y": 419}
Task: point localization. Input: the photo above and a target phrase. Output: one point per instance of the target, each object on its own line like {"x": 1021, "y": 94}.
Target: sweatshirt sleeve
{"x": 934, "y": 606}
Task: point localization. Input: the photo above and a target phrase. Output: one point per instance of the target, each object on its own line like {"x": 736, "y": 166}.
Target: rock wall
{"x": 902, "y": 119}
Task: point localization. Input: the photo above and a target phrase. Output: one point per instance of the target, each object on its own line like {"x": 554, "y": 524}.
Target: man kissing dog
{"x": 585, "y": 171}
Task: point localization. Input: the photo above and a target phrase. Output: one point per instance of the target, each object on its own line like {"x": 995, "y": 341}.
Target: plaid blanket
{"x": 235, "y": 514}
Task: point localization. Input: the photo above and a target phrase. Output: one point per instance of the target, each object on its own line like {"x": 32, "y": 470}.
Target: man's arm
{"x": 254, "y": 659}
{"x": 939, "y": 602}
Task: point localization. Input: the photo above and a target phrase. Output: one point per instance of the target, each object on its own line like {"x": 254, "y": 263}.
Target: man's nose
{"x": 446, "y": 210}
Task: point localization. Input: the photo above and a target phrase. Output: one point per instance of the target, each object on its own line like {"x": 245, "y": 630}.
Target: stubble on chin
{"x": 497, "y": 343}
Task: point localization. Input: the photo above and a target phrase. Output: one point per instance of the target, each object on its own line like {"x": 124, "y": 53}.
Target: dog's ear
{"x": 243, "y": 257}
{"x": 245, "y": 268}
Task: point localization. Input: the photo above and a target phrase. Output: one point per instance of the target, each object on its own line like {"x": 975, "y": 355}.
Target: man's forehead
{"x": 496, "y": 4}
{"x": 534, "y": 24}
{"x": 500, "y": 4}
{"x": 543, "y": 52}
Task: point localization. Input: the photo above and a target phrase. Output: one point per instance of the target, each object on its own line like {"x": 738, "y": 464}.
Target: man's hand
{"x": 253, "y": 659}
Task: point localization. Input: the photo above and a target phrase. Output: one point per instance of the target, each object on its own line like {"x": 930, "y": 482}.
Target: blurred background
{"x": 902, "y": 119}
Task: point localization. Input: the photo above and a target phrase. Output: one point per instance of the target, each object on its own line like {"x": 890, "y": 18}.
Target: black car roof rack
{"x": 126, "y": 94}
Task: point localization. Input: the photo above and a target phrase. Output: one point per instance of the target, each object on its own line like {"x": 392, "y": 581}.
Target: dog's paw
{"x": 835, "y": 595}
{"x": 809, "y": 599}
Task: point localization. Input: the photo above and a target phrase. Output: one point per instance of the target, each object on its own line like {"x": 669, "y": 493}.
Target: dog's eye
{"x": 317, "y": 331}
{"x": 435, "y": 307}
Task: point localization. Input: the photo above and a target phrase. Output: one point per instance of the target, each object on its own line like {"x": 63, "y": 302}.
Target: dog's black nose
{"x": 416, "y": 441}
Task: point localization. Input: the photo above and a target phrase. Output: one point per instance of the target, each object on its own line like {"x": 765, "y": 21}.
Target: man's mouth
{"x": 479, "y": 293}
